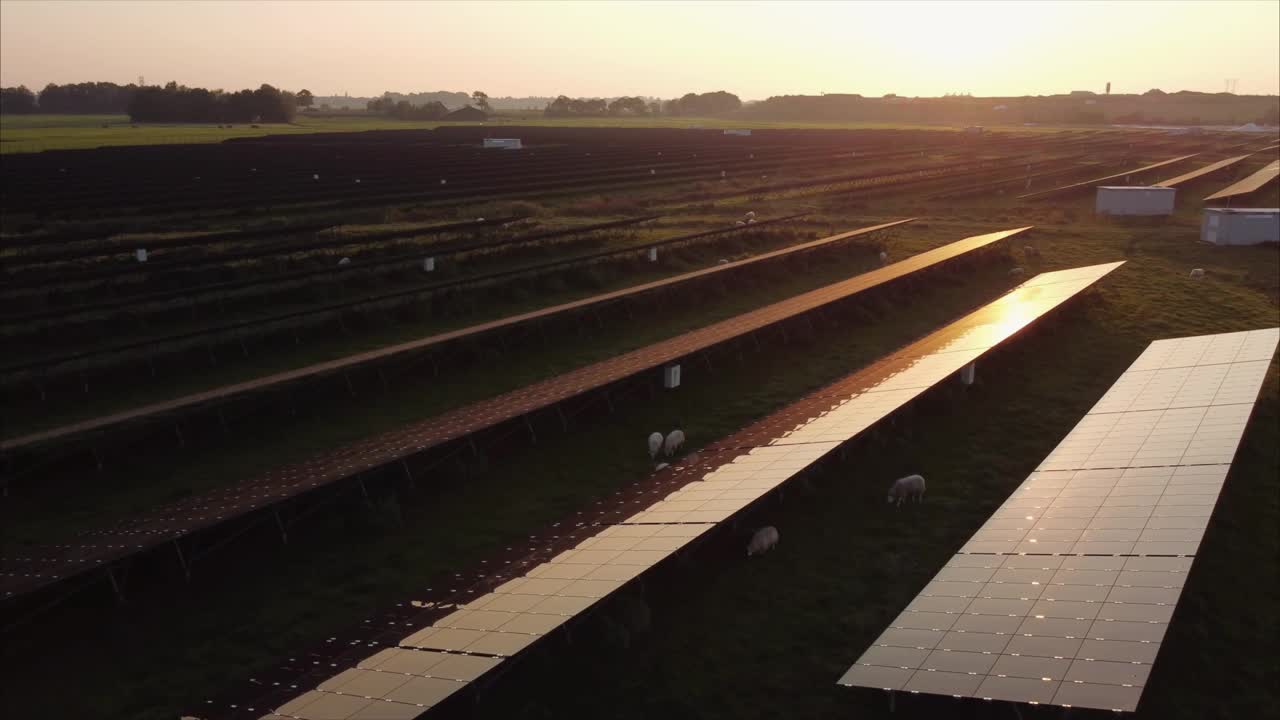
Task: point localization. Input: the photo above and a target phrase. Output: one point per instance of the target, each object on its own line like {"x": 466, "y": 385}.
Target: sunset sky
{"x": 584, "y": 48}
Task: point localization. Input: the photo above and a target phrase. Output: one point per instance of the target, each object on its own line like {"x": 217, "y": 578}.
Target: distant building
{"x": 467, "y": 114}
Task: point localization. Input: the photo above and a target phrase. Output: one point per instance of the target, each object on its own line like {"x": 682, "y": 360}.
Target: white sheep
{"x": 661, "y": 466}
{"x": 1017, "y": 271}
{"x": 905, "y": 488}
{"x": 740, "y": 223}
{"x": 1197, "y": 273}
{"x": 479, "y": 219}
{"x": 723, "y": 262}
{"x": 655, "y": 444}
{"x": 764, "y": 540}
{"x": 315, "y": 176}
{"x": 884, "y": 257}
{"x": 751, "y": 214}
{"x": 1030, "y": 251}
{"x": 443, "y": 181}
{"x": 751, "y": 221}
{"x": 345, "y": 261}
{"x": 673, "y": 442}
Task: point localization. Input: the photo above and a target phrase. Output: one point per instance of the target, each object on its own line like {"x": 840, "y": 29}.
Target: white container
{"x": 1138, "y": 200}
{"x": 671, "y": 376}
{"x": 503, "y": 143}
{"x": 1240, "y": 226}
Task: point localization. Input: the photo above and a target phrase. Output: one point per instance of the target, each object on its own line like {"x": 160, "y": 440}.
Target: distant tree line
{"x": 153, "y": 103}
{"x": 178, "y": 103}
{"x": 405, "y": 110}
{"x": 692, "y": 104}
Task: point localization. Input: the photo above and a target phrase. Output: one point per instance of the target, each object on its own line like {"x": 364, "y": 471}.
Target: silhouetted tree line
{"x": 171, "y": 103}
{"x": 178, "y": 103}
{"x": 405, "y": 110}
{"x": 17, "y": 101}
{"x": 712, "y": 103}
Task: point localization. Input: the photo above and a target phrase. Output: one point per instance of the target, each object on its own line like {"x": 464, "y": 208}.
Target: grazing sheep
{"x": 652, "y": 171}
{"x": 905, "y": 488}
{"x": 673, "y": 442}
{"x": 345, "y": 261}
{"x": 751, "y": 221}
{"x": 357, "y": 181}
{"x": 1017, "y": 271}
{"x": 443, "y": 181}
{"x": 765, "y": 539}
{"x": 1197, "y": 273}
{"x": 140, "y": 254}
{"x": 661, "y": 466}
{"x": 884, "y": 257}
{"x": 723, "y": 261}
{"x": 315, "y": 177}
{"x": 1030, "y": 251}
{"x": 740, "y": 224}
{"x": 479, "y": 219}
{"x": 751, "y": 215}
{"x": 655, "y": 444}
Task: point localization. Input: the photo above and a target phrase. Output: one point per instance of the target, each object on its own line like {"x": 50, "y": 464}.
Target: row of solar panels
{"x": 42, "y": 566}
{"x": 1064, "y": 595}
{"x": 431, "y": 664}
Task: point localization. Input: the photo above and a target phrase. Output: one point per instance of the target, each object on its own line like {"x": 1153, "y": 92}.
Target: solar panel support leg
{"x": 364, "y": 492}
{"x": 564, "y": 422}
{"x": 383, "y": 377}
{"x": 222, "y": 420}
{"x": 116, "y": 585}
{"x": 177, "y": 430}
{"x": 532, "y": 435}
{"x": 244, "y": 350}
{"x": 182, "y": 560}
{"x": 350, "y": 388}
{"x": 97, "y": 457}
{"x": 84, "y": 381}
{"x": 892, "y": 697}
{"x": 608, "y": 400}
{"x": 284, "y": 535}
{"x": 408, "y": 474}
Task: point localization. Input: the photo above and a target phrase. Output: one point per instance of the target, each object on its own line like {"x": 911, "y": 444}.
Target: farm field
{"x": 249, "y": 279}
{"x": 35, "y": 133}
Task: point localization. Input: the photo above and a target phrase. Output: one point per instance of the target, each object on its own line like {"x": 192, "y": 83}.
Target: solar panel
{"x": 1065, "y": 594}
{"x": 722, "y": 480}
{"x": 1095, "y": 181}
{"x": 1200, "y": 172}
{"x": 44, "y": 566}
{"x": 350, "y": 362}
{"x": 1251, "y": 184}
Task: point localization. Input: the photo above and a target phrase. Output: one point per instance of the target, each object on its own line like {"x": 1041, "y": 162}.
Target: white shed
{"x": 1240, "y": 226}
{"x": 503, "y": 143}
{"x": 1137, "y": 200}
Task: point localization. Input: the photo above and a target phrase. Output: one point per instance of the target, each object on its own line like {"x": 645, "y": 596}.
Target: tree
{"x": 305, "y": 98}
{"x": 17, "y": 101}
{"x": 481, "y": 101}
{"x": 628, "y": 106}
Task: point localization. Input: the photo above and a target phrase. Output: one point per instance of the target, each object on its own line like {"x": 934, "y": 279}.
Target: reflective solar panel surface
{"x": 1200, "y": 172}
{"x": 42, "y": 566}
{"x": 692, "y": 497}
{"x": 1250, "y": 184}
{"x": 1065, "y": 594}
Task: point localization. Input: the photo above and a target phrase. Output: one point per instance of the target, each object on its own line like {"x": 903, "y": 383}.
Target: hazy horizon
{"x": 664, "y": 49}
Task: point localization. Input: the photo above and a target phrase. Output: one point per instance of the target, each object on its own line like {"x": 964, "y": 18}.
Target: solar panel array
{"x": 41, "y": 566}
{"x": 1249, "y": 185}
{"x": 350, "y": 362}
{"x": 1064, "y": 595}
{"x": 1095, "y": 181}
{"x": 433, "y": 663}
{"x": 1200, "y": 172}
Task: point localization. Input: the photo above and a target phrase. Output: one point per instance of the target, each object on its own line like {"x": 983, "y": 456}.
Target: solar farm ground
{"x": 730, "y": 638}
